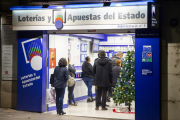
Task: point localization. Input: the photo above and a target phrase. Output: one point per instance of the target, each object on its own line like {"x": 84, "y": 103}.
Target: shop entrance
{"x": 53, "y": 29}
{"x": 111, "y": 43}
{"x": 76, "y": 47}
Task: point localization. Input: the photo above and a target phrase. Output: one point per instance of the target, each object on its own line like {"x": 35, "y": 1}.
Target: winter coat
{"x": 103, "y": 72}
{"x": 116, "y": 74}
{"x": 60, "y": 77}
{"x": 87, "y": 70}
{"x": 71, "y": 70}
{"x": 114, "y": 60}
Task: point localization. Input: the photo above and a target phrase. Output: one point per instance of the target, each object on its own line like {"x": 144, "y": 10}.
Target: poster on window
{"x": 52, "y": 58}
{"x": 7, "y": 62}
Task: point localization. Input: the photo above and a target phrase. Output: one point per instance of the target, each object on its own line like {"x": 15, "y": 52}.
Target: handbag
{"x": 71, "y": 81}
{"x": 53, "y": 95}
{"x": 52, "y": 79}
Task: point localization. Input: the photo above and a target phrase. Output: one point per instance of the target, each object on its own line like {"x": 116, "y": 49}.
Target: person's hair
{"x": 113, "y": 56}
{"x": 62, "y": 62}
{"x": 117, "y": 62}
{"x": 98, "y": 53}
{"x": 102, "y": 53}
{"x": 119, "y": 53}
{"x": 87, "y": 58}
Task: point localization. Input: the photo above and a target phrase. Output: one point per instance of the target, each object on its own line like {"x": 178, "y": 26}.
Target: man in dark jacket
{"x": 103, "y": 72}
{"x": 118, "y": 56}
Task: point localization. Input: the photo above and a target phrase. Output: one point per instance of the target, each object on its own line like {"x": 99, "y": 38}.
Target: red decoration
{"x": 123, "y": 112}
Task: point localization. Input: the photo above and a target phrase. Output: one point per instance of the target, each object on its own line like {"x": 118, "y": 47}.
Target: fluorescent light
{"x": 118, "y": 5}
{"x": 85, "y": 39}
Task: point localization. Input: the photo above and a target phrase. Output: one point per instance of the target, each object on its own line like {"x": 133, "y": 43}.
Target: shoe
{"x": 104, "y": 109}
{"x": 108, "y": 100}
{"x": 75, "y": 104}
{"x": 97, "y": 108}
{"x": 70, "y": 104}
{"x": 107, "y": 105}
{"x": 62, "y": 113}
{"x": 89, "y": 100}
{"x": 93, "y": 99}
{"x": 57, "y": 112}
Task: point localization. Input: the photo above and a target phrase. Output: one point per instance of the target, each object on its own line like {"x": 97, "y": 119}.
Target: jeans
{"x": 59, "y": 98}
{"x": 70, "y": 92}
{"x": 98, "y": 96}
{"x": 88, "y": 82}
{"x": 73, "y": 98}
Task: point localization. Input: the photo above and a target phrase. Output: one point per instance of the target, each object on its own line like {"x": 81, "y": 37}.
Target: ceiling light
{"x": 118, "y": 5}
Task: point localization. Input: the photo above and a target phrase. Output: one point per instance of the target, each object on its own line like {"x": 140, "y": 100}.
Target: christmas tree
{"x": 124, "y": 90}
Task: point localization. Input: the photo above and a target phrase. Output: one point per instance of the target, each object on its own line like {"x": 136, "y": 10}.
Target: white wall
{"x": 75, "y": 51}
{"x": 61, "y": 45}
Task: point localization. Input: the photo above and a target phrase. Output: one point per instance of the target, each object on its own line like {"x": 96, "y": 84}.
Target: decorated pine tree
{"x": 124, "y": 90}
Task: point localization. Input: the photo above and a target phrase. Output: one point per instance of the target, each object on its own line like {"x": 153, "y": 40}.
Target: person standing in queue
{"x": 116, "y": 73}
{"x": 118, "y": 56}
{"x": 60, "y": 83}
{"x": 71, "y": 72}
{"x": 103, "y": 72}
{"x": 88, "y": 77}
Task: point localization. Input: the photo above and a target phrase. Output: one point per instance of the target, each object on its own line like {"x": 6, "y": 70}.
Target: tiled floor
{"x": 88, "y": 110}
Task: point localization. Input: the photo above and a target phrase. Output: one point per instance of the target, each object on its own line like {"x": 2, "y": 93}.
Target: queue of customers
{"x": 103, "y": 74}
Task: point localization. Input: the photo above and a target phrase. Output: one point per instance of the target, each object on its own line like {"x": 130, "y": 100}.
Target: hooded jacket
{"x": 71, "y": 70}
{"x": 103, "y": 72}
{"x": 87, "y": 70}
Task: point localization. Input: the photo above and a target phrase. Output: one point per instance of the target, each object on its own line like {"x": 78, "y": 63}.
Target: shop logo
{"x": 59, "y": 20}
{"x": 33, "y": 53}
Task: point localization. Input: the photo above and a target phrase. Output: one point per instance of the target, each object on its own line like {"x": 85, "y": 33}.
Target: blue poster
{"x": 29, "y": 84}
{"x": 147, "y": 65}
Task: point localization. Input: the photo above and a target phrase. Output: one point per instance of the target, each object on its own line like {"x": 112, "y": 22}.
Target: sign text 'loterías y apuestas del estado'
{"x": 72, "y": 18}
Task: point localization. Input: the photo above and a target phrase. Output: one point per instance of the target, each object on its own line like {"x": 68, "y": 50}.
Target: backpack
{"x": 71, "y": 81}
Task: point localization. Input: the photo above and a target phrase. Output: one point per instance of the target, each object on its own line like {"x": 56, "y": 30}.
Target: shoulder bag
{"x": 71, "y": 81}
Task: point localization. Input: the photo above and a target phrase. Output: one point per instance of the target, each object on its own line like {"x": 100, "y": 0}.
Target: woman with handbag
{"x": 87, "y": 74}
{"x": 71, "y": 72}
{"x": 60, "y": 83}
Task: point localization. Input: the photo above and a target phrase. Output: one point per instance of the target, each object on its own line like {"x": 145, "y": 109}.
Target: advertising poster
{"x": 29, "y": 84}
{"x": 52, "y": 58}
{"x": 7, "y": 63}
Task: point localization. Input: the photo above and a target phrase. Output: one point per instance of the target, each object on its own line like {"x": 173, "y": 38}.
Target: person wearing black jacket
{"x": 116, "y": 72}
{"x": 71, "y": 72}
{"x": 103, "y": 72}
{"x": 60, "y": 83}
{"x": 118, "y": 56}
{"x": 87, "y": 74}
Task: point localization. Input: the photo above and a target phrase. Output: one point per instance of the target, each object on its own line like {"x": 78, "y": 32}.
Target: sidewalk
{"x": 10, "y": 114}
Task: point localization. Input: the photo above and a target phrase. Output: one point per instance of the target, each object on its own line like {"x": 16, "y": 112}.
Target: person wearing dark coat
{"x": 116, "y": 72}
{"x": 60, "y": 83}
{"x": 71, "y": 72}
{"x": 88, "y": 77}
{"x": 103, "y": 72}
{"x": 118, "y": 56}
